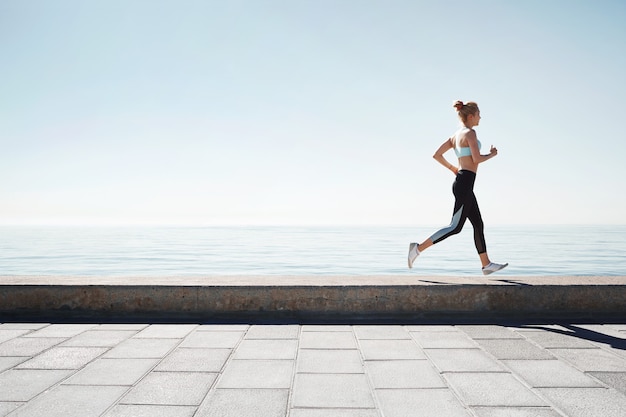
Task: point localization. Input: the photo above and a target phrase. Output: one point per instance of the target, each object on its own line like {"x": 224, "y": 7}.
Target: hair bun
{"x": 458, "y": 105}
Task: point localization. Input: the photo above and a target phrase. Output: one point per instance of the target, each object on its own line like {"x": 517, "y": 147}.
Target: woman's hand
{"x": 493, "y": 151}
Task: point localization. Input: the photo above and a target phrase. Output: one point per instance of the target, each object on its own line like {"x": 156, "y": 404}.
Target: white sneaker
{"x": 413, "y": 254}
{"x": 493, "y": 267}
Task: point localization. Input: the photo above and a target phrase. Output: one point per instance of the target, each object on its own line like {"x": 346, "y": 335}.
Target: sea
{"x": 554, "y": 250}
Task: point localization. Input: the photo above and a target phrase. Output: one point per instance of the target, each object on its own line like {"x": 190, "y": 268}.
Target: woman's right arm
{"x": 445, "y": 147}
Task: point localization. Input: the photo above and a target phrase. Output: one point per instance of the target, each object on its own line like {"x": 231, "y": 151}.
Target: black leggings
{"x": 465, "y": 207}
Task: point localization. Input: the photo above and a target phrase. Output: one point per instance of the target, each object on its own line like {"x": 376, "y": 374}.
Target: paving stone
{"x": 326, "y": 328}
{"x": 166, "y": 331}
{"x": 171, "y": 388}
{"x": 8, "y": 362}
{"x": 22, "y": 385}
{"x": 327, "y": 340}
{"x": 492, "y": 389}
{"x": 381, "y": 332}
{"x": 99, "y": 338}
{"x": 12, "y": 334}
{"x": 223, "y": 328}
{"x": 332, "y": 391}
{"x": 390, "y": 349}
{"x": 514, "y": 349}
{"x": 121, "y": 326}
{"x": 257, "y": 374}
{"x": 123, "y": 410}
{"x": 443, "y": 340}
{"x": 20, "y": 326}
{"x": 586, "y": 402}
{"x": 195, "y": 360}
{"x": 592, "y": 359}
{"x": 273, "y": 332}
{"x": 431, "y": 328}
{"x": 404, "y": 374}
{"x": 334, "y": 412}
{"x": 245, "y": 402}
{"x": 551, "y": 340}
{"x": 330, "y": 361}
{"x": 61, "y": 330}
{"x": 515, "y": 412}
{"x": 616, "y": 380}
{"x": 420, "y": 402}
{"x": 142, "y": 348}
{"x": 489, "y": 332}
{"x": 63, "y": 358}
{"x": 28, "y": 346}
{"x": 6, "y": 408}
{"x": 554, "y": 373}
{"x": 221, "y": 339}
{"x": 112, "y": 372}
{"x": 266, "y": 349}
{"x": 463, "y": 360}
{"x": 71, "y": 401}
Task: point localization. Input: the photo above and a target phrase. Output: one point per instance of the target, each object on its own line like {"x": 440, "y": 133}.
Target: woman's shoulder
{"x": 463, "y": 134}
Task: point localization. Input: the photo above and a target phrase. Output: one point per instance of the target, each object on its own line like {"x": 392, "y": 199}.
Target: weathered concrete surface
{"x": 306, "y": 296}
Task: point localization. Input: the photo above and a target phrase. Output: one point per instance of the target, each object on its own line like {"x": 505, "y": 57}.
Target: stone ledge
{"x": 312, "y": 296}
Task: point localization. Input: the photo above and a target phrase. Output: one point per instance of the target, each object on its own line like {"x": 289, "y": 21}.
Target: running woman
{"x": 467, "y": 148}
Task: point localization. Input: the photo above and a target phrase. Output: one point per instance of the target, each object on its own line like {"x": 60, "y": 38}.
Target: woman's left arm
{"x": 445, "y": 147}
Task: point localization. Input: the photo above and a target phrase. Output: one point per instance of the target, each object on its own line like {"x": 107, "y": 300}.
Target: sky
{"x": 308, "y": 112}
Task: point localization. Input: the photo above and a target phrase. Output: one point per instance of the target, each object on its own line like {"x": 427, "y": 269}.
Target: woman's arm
{"x": 445, "y": 147}
{"x": 477, "y": 158}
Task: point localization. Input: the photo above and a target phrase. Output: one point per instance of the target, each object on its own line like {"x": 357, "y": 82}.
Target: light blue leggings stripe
{"x": 447, "y": 230}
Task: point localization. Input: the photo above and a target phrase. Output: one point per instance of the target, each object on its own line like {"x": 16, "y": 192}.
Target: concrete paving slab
{"x": 489, "y": 332}
{"x": 12, "y": 334}
{"x": 553, "y": 340}
{"x": 615, "y": 380}
{"x": 223, "y": 328}
{"x": 63, "y": 358}
{"x": 170, "y": 388}
{"x": 514, "y": 349}
{"x": 142, "y": 348}
{"x": 166, "y": 331}
{"x": 327, "y": 340}
{"x": 390, "y": 349}
{"x": 61, "y": 330}
{"x": 334, "y": 412}
{"x": 492, "y": 389}
{"x": 99, "y": 338}
{"x": 404, "y": 374}
{"x": 586, "y": 402}
{"x": 112, "y": 372}
{"x": 28, "y": 346}
{"x": 6, "y": 408}
{"x": 590, "y": 360}
{"x": 329, "y": 361}
{"x": 23, "y": 385}
{"x": 463, "y": 360}
{"x": 515, "y": 412}
{"x": 273, "y": 332}
{"x": 195, "y": 360}
{"x": 71, "y": 401}
{"x": 8, "y": 362}
{"x": 332, "y": 391}
{"x": 257, "y": 374}
{"x": 381, "y": 332}
{"x": 266, "y": 349}
{"x": 25, "y": 326}
{"x": 443, "y": 340}
{"x": 431, "y": 328}
{"x": 245, "y": 402}
{"x": 326, "y": 328}
{"x": 121, "y": 326}
{"x": 420, "y": 402}
{"x": 217, "y": 339}
{"x": 151, "y": 411}
{"x": 553, "y": 373}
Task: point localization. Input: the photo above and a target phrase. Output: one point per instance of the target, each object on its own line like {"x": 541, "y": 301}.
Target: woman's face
{"x": 474, "y": 118}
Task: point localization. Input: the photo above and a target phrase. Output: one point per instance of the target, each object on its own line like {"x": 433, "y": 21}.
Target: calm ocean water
{"x": 530, "y": 250}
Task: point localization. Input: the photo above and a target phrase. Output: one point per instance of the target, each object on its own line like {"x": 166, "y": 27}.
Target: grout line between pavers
{"x": 370, "y": 382}
{"x": 294, "y": 373}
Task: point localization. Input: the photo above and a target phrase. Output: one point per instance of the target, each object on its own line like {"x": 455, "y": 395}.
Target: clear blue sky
{"x": 308, "y": 112}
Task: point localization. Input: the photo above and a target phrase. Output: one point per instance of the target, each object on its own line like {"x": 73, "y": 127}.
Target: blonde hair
{"x": 464, "y": 110}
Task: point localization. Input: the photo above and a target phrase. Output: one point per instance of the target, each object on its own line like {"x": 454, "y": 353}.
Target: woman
{"x": 467, "y": 148}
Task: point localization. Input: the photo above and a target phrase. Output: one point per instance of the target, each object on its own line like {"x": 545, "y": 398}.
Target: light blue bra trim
{"x": 465, "y": 151}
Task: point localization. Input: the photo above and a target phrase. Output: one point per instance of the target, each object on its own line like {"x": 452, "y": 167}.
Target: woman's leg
{"x": 476, "y": 220}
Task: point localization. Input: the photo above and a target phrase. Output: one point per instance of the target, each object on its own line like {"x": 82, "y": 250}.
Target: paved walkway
{"x": 159, "y": 370}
